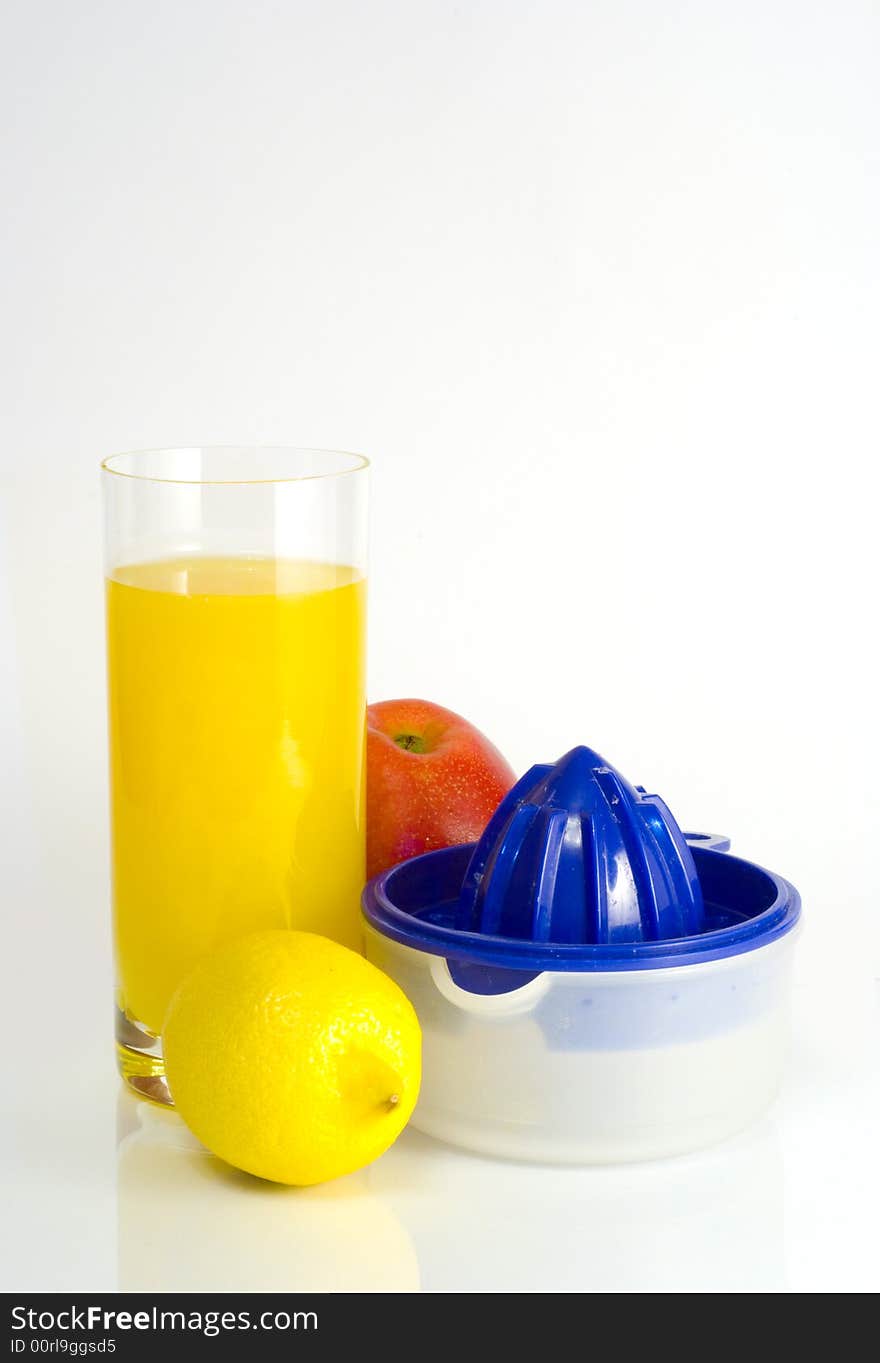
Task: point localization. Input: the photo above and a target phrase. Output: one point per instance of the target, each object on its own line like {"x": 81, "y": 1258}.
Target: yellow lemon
{"x": 292, "y": 1057}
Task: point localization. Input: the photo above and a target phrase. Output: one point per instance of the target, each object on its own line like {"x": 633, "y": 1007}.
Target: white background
{"x": 595, "y": 286}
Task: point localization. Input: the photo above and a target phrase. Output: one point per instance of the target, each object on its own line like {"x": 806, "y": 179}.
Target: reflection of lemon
{"x": 188, "y": 1223}
{"x": 292, "y": 1057}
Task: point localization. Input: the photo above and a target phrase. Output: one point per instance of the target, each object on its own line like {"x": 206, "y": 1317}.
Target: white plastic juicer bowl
{"x": 593, "y": 986}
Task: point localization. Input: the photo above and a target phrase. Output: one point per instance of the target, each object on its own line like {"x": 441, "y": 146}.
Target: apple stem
{"x": 410, "y": 742}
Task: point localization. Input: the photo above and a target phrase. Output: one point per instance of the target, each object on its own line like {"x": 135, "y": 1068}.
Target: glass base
{"x": 139, "y": 1060}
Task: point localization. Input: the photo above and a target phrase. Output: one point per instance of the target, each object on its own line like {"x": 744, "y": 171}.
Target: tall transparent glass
{"x": 236, "y": 620}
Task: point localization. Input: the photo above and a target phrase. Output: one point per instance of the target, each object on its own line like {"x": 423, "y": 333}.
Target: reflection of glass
{"x": 235, "y": 629}
{"x": 189, "y": 1223}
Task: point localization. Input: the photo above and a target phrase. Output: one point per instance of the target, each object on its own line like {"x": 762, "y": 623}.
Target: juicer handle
{"x": 508, "y": 1003}
{"x": 714, "y": 842}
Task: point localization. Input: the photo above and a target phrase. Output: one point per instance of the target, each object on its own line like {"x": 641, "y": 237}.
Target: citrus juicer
{"x": 593, "y": 985}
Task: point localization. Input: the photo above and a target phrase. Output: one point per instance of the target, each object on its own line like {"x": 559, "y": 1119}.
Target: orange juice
{"x": 237, "y": 712}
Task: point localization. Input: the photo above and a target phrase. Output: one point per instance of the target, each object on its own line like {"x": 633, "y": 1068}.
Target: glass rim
{"x": 358, "y": 463}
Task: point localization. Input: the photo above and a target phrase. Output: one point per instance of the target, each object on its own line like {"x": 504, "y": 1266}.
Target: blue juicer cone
{"x": 574, "y": 854}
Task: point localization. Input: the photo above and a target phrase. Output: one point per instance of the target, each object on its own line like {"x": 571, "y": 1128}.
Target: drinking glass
{"x": 236, "y": 618}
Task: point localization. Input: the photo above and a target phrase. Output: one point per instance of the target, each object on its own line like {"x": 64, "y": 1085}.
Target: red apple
{"x": 433, "y": 780}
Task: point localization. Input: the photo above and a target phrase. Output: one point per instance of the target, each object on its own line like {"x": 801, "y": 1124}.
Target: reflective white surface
{"x": 111, "y": 1193}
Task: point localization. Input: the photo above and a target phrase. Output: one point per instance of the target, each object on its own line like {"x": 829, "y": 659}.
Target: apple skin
{"x": 433, "y": 780}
